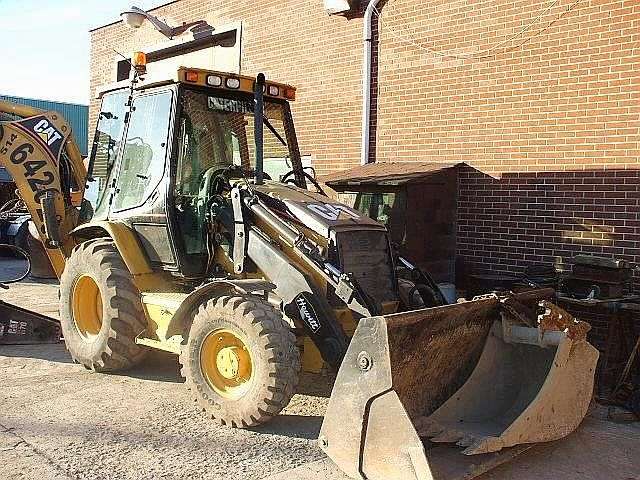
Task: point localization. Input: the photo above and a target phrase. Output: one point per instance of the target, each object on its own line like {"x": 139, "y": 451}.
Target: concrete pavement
{"x": 60, "y": 421}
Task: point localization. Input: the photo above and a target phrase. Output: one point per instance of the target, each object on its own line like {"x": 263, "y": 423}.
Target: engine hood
{"x": 317, "y": 212}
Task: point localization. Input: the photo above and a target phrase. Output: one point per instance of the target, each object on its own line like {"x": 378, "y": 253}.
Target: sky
{"x": 44, "y": 45}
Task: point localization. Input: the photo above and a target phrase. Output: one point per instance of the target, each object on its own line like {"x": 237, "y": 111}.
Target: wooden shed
{"x": 417, "y": 202}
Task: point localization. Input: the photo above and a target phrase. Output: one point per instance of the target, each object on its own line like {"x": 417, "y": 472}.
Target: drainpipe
{"x": 366, "y": 81}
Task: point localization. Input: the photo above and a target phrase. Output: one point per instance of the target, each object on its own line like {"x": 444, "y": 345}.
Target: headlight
{"x": 214, "y": 80}
{"x": 233, "y": 83}
{"x": 274, "y": 91}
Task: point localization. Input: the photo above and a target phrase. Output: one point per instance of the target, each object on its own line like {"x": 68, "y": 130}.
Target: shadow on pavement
{"x": 52, "y": 352}
{"x": 297, "y": 426}
{"x": 315, "y": 385}
{"x": 39, "y": 281}
{"x": 156, "y": 366}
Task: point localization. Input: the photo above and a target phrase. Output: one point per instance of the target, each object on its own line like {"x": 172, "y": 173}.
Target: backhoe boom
{"x": 38, "y": 151}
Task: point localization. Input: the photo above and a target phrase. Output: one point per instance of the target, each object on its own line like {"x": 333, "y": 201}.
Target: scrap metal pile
{"x": 601, "y": 291}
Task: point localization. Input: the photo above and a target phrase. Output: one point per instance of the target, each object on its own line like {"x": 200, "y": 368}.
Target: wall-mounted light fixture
{"x": 135, "y": 17}
{"x": 334, "y": 7}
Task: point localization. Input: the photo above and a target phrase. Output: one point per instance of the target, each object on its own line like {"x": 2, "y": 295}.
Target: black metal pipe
{"x": 258, "y": 122}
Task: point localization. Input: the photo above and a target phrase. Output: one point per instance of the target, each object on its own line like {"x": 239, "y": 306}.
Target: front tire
{"x": 241, "y": 362}
{"x": 100, "y": 309}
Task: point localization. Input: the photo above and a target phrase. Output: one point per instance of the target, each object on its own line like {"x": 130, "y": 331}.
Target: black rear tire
{"x": 274, "y": 360}
{"x": 104, "y": 339}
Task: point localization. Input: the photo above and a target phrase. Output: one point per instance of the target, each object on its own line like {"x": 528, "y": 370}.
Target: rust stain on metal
{"x": 449, "y": 388}
{"x": 555, "y": 318}
{"x": 438, "y": 347}
{"x": 520, "y": 312}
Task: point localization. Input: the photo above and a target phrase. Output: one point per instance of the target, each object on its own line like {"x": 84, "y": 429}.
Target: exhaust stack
{"x": 258, "y": 120}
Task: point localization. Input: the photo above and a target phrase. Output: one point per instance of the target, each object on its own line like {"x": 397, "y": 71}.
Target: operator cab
{"x": 164, "y": 150}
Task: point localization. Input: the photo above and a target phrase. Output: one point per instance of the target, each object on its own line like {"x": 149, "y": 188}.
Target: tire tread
{"x": 123, "y": 311}
{"x": 273, "y": 334}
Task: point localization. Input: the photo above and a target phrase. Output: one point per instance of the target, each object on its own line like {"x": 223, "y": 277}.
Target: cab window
{"x": 145, "y": 150}
{"x": 106, "y": 143}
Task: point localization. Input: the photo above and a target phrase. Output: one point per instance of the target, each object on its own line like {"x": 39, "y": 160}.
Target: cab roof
{"x": 205, "y": 78}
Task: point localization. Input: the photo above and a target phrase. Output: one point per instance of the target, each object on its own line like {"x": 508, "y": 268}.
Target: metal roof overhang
{"x": 386, "y": 173}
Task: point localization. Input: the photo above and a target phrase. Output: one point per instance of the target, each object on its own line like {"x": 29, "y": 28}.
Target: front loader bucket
{"x": 439, "y": 393}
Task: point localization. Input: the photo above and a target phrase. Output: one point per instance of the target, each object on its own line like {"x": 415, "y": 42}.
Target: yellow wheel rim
{"x": 87, "y": 307}
{"x": 226, "y": 363}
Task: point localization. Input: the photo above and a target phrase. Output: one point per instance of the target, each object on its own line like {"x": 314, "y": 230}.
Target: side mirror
{"x": 14, "y": 264}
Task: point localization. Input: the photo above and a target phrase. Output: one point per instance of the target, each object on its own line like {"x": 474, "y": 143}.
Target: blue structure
{"x": 77, "y": 115}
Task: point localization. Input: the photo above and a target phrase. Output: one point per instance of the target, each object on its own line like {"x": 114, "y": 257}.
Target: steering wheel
{"x": 217, "y": 180}
{"x": 286, "y": 178}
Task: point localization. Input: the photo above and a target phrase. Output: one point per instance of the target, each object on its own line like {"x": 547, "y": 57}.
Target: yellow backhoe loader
{"x": 208, "y": 239}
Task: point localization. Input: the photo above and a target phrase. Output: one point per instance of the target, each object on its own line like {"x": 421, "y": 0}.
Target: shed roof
{"x": 386, "y": 173}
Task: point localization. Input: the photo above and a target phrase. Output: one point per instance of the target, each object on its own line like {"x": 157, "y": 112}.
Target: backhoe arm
{"x": 38, "y": 151}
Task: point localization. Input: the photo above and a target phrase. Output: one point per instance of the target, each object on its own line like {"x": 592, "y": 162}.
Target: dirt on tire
{"x": 113, "y": 348}
{"x": 275, "y": 359}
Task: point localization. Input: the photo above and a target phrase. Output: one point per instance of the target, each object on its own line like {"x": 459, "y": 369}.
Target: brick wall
{"x": 293, "y": 41}
{"x": 553, "y": 114}
{"x": 556, "y": 119}
{"x": 567, "y": 99}
{"x": 522, "y": 218}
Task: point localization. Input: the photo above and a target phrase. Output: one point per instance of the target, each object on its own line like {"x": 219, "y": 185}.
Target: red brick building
{"x": 541, "y": 98}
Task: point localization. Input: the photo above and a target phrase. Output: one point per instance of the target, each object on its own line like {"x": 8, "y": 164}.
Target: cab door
{"x": 140, "y": 189}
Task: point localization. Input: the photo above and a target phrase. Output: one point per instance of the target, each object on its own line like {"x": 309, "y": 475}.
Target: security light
{"x": 135, "y": 17}
{"x": 337, "y": 6}
{"x": 132, "y": 18}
